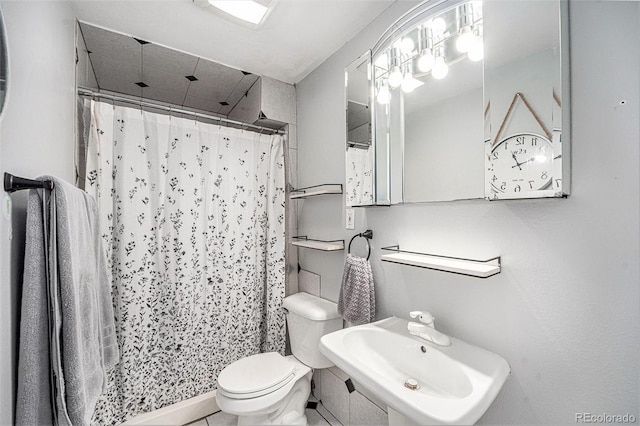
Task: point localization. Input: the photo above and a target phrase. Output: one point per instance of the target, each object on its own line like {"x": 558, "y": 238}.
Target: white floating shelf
{"x": 310, "y": 191}
{"x": 475, "y": 268}
{"x": 319, "y": 244}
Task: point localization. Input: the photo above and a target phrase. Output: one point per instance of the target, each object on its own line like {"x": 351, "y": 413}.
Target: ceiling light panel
{"x": 247, "y": 10}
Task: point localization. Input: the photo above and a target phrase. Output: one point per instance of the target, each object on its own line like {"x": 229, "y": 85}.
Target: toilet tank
{"x": 308, "y": 319}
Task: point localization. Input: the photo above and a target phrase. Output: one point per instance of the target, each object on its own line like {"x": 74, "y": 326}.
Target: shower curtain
{"x": 192, "y": 218}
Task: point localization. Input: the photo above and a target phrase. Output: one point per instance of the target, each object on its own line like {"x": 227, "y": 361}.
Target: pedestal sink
{"x": 420, "y": 382}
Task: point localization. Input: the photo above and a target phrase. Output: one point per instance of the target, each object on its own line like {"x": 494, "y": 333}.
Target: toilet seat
{"x": 256, "y": 375}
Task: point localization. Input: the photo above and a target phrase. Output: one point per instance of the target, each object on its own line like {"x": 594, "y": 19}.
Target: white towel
{"x": 67, "y": 340}
{"x": 87, "y": 340}
{"x": 357, "y": 302}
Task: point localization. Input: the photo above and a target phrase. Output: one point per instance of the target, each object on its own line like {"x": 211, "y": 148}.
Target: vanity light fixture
{"x": 247, "y": 10}
{"x": 440, "y": 67}
{"x": 410, "y": 83}
{"x": 465, "y": 27}
{"x": 396, "y": 76}
{"x": 426, "y": 59}
{"x": 384, "y": 94}
{"x": 438, "y": 26}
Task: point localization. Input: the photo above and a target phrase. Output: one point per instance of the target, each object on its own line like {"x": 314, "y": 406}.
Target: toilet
{"x": 269, "y": 389}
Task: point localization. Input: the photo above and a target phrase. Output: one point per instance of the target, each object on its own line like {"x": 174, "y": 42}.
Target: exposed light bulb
{"x": 407, "y": 45}
{"x": 440, "y": 68}
{"x": 384, "y": 95}
{"x": 395, "y": 78}
{"x": 438, "y": 26}
{"x": 409, "y": 84}
{"x": 465, "y": 40}
{"x": 425, "y": 61}
{"x": 476, "y": 49}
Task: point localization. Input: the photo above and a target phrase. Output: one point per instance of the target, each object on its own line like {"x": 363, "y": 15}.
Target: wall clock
{"x": 525, "y": 164}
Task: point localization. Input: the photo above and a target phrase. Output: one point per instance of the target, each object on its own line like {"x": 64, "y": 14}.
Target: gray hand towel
{"x": 88, "y": 341}
{"x": 356, "y": 302}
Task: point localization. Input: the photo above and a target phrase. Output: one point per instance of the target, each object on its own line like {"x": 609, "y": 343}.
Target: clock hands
{"x": 518, "y": 164}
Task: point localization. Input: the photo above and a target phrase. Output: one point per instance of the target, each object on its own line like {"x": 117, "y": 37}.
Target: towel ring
{"x": 367, "y": 235}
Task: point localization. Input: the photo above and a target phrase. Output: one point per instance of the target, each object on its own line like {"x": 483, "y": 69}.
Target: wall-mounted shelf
{"x": 303, "y": 241}
{"x": 456, "y": 265}
{"x": 311, "y": 191}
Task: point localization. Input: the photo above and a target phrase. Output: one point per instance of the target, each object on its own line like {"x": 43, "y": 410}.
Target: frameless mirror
{"x": 359, "y": 148}
{"x": 526, "y": 140}
{"x": 429, "y": 103}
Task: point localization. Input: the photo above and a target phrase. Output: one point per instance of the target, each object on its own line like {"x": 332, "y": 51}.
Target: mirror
{"x": 526, "y": 141}
{"x": 428, "y": 84}
{"x": 440, "y": 106}
{"x": 359, "y": 148}
{"x": 4, "y": 64}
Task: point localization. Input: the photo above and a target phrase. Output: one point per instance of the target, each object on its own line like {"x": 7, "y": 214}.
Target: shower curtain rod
{"x": 139, "y": 102}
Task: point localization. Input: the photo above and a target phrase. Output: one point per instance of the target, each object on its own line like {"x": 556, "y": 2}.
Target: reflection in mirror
{"x": 429, "y": 103}
{"x": 359, "y": 149}
{"x": 525, "y": 102}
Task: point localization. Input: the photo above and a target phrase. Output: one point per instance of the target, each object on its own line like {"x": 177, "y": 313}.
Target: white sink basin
{"x": 456, "y": 384}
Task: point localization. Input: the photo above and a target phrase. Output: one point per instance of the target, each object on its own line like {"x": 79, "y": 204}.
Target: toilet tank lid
{"x": 311, "y": 307}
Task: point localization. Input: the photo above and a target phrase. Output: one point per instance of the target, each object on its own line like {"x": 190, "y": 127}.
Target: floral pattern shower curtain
{"x": 192, "y": 218}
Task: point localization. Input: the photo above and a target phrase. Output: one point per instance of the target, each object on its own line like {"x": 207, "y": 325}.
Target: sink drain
{"x": 411, "y": 384}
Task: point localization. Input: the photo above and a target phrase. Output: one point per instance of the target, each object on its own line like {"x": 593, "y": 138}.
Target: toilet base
{"x": 290, "y": 411}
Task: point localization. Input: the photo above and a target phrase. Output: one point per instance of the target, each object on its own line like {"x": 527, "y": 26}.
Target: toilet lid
{"x": 256, "y": 375}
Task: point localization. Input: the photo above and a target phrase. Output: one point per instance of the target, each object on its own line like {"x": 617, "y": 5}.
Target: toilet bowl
{"x": 271, "y": 389}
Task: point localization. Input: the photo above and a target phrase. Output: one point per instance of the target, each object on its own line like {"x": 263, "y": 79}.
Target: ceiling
{"x": 135, "y": 67}
{"x": 297, "y": 36}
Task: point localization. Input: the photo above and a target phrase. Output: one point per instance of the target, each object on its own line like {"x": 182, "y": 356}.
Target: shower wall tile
{"x": 293, "y": 136}
{"x": 309, "y": 282}
{"x": 293, "y": 167}
{"x": 291, "y": 252}
{"x": 278, "y": 101}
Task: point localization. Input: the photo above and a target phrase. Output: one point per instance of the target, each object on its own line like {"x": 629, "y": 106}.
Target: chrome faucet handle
{"x": 423, "y": 317}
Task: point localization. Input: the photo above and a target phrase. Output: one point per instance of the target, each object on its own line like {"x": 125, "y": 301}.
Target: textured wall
{"x": 36, "y": 138}
{"x": 565, "y": 309}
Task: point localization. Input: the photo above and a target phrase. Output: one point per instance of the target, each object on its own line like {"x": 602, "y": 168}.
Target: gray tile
{"x": 317, "y": 390}
{"x": 315, "y": 419}
{"x": 309, "y": 282}
{"x": 168, "y": 60}
{"x": 330, "y": 418}
{"x": 364, "y": 412}
{"x": 335, "y": 396}
{"x": 293, "y": 167}
{"x": 222, "y": 419}
{"x": 293, "y": 136}
{"x": 341, "y": 374}
{"x": 199, "y": 422}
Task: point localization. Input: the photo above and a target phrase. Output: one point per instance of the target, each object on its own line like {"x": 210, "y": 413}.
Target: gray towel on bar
{"x": 88, "y": 340}
{"x": 67, "y": 331}
{"x": 33, "y": 400}
{"x": 356, "y": 302}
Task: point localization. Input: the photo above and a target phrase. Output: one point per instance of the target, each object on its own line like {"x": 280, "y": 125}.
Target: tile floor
{"x": 315, "y": 417}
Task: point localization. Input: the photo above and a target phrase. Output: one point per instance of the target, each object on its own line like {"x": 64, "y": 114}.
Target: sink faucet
{"x": 426, "y": 329}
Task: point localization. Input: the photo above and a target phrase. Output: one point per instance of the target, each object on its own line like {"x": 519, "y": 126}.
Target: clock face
{"x": 521, "y": 163}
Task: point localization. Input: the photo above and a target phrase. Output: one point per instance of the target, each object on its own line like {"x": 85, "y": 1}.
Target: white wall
{"x": 36, "y": 138}
{"x": 565, "y": 309}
